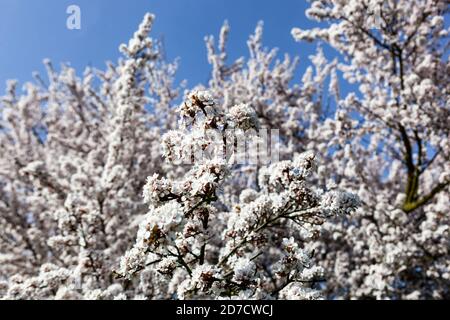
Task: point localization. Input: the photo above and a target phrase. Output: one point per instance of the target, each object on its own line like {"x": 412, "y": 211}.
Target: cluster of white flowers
{"x": 186, "y": 233}
{"x": 203, "y": 278}
{"x": 244, "y": 117}
{"x": 340, "y": 203}
{"x": 243, "y": 271}
{"x": 280, "y": 175}
{"x": 140, "y": 38}
{"x": 206, "y": 177}
{"x": 198, "y": 102}
{"x": 156, "y": 190}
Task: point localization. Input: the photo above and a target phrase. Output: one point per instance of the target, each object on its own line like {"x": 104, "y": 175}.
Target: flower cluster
{"x": 244, "y": 117}
{"x": 187, "y": 237}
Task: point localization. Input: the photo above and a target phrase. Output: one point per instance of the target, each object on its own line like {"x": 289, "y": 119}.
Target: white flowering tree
{"x": 77, "y": 154}
{"x": 390, "y": 144}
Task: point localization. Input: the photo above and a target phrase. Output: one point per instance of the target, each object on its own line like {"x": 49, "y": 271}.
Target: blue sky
{"x": 31, "y": 30}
